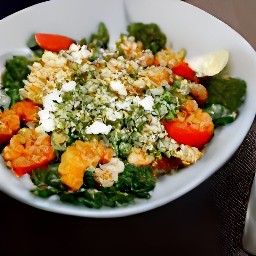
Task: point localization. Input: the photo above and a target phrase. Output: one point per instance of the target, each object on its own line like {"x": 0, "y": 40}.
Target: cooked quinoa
{"x": 119, "y": 96}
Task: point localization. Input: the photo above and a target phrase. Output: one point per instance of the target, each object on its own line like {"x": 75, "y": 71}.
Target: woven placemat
{"x": 230, "y": 190}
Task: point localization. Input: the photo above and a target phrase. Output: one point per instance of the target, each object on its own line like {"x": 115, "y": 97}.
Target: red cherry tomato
{"x": 183, "y": 69}
{"x": 167, "y": 164}
{"x": 52, "y": 42}
{"x": 190, "y": 134}
{"x": 192, "y": 127}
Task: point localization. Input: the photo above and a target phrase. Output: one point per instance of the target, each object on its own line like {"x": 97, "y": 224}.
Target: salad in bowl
{"x": 97, "y": 126}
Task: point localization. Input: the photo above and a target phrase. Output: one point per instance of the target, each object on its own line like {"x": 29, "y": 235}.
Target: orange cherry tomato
{"x": 53, "y": 42}
{"x": 9, "y": 125}
{"x": 27, "y": 110}
{"x": 192, "y": 127}
{"x": 28, "y": 150}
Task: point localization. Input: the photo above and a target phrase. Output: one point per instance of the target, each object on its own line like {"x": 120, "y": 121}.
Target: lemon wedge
{"x": 209, "y": 64}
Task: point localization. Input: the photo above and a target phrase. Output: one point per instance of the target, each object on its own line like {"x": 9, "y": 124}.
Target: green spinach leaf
{"x": 220, "y": 115}
{"x": 229, "y": 93}
{"x": 133, "y": 182}
{"x": 47, "y": 181}
{"x": 97, "y": 198}
{"x": 101, "y": 38}
{"x": 137, "y": 181}
{"x": 16, "y": 71}
{"x": 149, "y": 34}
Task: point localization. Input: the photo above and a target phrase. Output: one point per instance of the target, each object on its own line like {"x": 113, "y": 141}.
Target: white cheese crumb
{"x": 118, "y": 87}
{"x": 45, "y": 115}
{"x": 70, "y": 86}
{"x": 46, "y": 120}
{"x": 50, "y": 99}
{"x": 98, "y": 127}
{"x": 147, "y": 103}
{"x": 113, "y": 115}
{"x": 78, "y": 53}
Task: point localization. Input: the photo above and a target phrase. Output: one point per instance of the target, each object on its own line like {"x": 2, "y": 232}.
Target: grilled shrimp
{"x": 78, "y": 157}
{"x": 139, "y": 157}
{"x": 107, "y": 174}
{"x": 26, "y": 110}
{"x": 159, "y": 75}
{"x": 9, "y": 125}
{"x": 199, "y": 93}
{"x": 28, "y": 149}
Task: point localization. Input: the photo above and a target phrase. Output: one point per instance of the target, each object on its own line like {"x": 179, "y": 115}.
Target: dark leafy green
{"x": 16, "y": 71}
{"x": 96, "y": 199}
{"x": 220, "y": 115}
{"x": 229, "y": 93}
{"x": 101, "y": 38}
{"x": 149, "y": 34}
{"x": 225, "y": 96}
{"x": 137, "y": 181}
{"x": 34, "y": 47}
{"x": 133, "y": 182}
{"x": 47, "y": 181}
{"x": 89, "y": 181}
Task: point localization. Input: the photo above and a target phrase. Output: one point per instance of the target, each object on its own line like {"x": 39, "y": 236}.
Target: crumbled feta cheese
{"x": 85, "y": 53}
{"x": 70, "y": 86}
{"x": 50, "y": 99}
{"x": 74, "y": 47}
{"x": 76, "y": 53}
{"x": 118, "y": 87}
{"x": 113, "y": 115}
{"x": 125, "y": 105}
{"x": 98, "y": 127}
{"x": 147, "y": 103}
{"x": 46, "y": 120}
{"x": 48, "y": 125}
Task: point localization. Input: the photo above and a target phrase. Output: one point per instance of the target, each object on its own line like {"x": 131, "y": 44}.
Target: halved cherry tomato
{"x": 28, "y": 150}
{"x": 183, "y": 69}
{"x": 193, "y": 127}
{"x": 167, "y": 164}
{"x": 53, "y": 42}
{"x": 27, "y": 110}
{"x": 9, "y": 125}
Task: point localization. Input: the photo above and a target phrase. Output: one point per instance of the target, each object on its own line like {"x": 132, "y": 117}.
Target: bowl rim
{"x": 51, "y": 205}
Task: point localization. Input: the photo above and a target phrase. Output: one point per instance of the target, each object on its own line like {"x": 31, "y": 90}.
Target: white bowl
{"x": 186, "y": 27}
